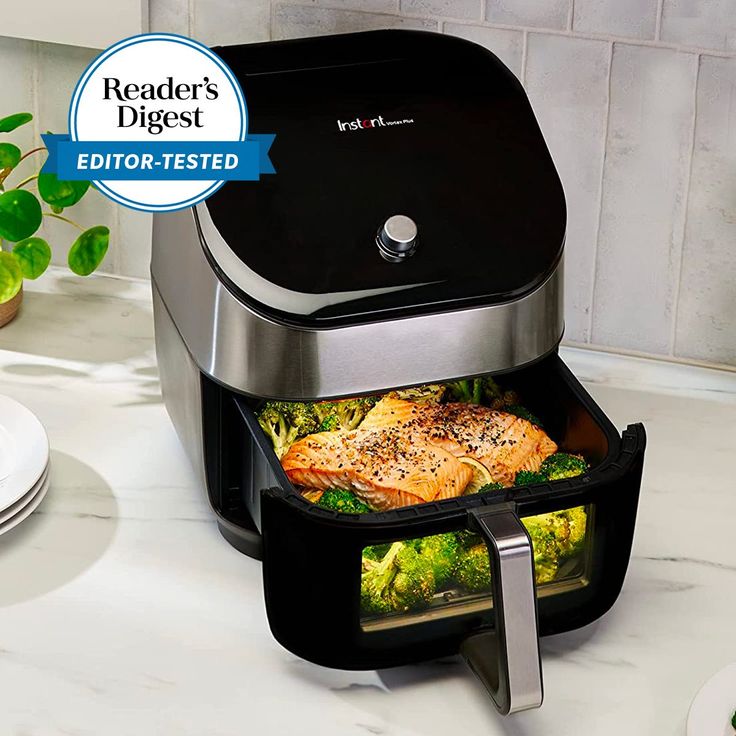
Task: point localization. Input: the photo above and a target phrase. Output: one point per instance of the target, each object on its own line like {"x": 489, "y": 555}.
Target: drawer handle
{"x": 506, "y": 659}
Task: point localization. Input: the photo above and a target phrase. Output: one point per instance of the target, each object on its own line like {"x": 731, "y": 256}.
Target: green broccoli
{"x": 376, "y": 552}
{"x": 492, "y": 486}
{"x": 340, "y": 500}
{"x": 346, "y": 414}
{"x": 469, "y": 391}
{"x": 528, "y": 477}
{"x": 286, "y": 421}
{"x": 523, "y": 413}
{"x": 330, "y": 423}
{"x": 442, "y": 551}
{"x": 402, "y": 581}
{"x": 558, "y": 534}
{"x": 473, "y": 571}
{"x": 545, "y": 568}
{"x": 563, "y": 465}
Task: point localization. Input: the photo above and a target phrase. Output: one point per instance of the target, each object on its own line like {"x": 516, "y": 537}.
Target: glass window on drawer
{"x": 413, "y": 580}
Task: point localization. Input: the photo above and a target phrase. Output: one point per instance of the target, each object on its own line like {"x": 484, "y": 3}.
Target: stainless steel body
{"x": 240, "y": 348}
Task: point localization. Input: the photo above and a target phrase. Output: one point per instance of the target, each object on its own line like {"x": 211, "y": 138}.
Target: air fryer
{"x": 413, "y": 233}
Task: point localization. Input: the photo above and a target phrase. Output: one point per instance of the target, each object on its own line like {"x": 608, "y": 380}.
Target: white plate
{"x": 711, "y": 711}
{"x": 24, "y": 451}
{"x": 18, "y": 506}
{"x": 28, "y": 509}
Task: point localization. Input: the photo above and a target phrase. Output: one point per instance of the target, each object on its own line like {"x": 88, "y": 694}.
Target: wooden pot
{"x": 8, "y": 310}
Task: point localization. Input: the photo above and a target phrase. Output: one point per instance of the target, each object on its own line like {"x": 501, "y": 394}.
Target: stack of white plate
{"x": 24, "y": 463}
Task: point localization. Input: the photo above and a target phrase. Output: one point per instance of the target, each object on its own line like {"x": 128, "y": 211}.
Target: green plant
{"x": 23, "y": 255}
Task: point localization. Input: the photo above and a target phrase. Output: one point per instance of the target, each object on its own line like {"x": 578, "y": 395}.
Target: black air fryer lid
{"x": 411, "y": 177}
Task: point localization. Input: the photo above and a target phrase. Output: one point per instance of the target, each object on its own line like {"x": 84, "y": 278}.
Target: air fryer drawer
{"x": 312, "y": 556}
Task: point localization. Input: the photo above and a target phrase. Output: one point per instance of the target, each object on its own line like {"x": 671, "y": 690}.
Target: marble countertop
{"x": 123, "y": 611}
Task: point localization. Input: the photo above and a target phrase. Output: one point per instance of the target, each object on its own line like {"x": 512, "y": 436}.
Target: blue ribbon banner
{"x": 158, "y": 160}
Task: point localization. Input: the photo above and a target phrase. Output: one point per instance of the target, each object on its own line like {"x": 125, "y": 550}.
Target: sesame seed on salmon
{"x": 386, "y": 468}
{"x": 501, "y": 441}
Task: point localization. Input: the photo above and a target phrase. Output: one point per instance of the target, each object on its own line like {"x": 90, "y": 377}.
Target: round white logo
{"x": 172, "y": 96}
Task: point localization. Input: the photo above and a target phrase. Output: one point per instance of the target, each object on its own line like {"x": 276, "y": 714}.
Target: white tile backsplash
{"x": 537, "y": 13}
{"x": 567, "y": 83}
{"x": 706, "y": 315}
{"x": 134, "y": 250}
{"x": 709, "y": 24}
{"x": 643, "y": 206}
{"x": 169, "y": 16}
{"x": 222, "y": 22}
{"x": 298, "y": 21}
{"x": 505, "y": 44}
{"x": 470, "y": 9}
{"x": 631, "y": 18}
{"x": 649, "y": 257}
{"x": 17, "y": 62}
{"x": 368, "y": 6}
{"x": 59, "y": 68}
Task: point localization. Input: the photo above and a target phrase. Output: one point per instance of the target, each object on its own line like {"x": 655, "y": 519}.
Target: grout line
{"x": 117, "y": 256}
{"x": 701, "y": 50}
{"x": 36, "y": 104}
{"x": 483, "y": 9}
{"x": 524, "y": 55}
{"x": 686, "y": 202}
{"x": 658, "y": 20}
{"x": 537, "y": 29}
{"x": 596, "y": 243}
{"x": 190, "y": 18}
{"x": 570, "y": 16}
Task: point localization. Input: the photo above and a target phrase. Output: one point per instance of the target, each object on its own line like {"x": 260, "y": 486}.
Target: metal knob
{"x": 397, "y": 238}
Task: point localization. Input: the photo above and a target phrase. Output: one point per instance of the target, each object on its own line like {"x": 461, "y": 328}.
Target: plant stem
{"x": 26, "y": 180}
{"x": 33, "y": 150}
{"x": 63, "y": 219}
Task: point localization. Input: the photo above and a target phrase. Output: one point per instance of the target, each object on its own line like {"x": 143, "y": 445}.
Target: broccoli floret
{"x": 442, "y": 551}
{"x": 346, "y": 414}
{"x": 286, "y": 421}
{"x": 473, "y": 571}
{"x": 330, "y": 423}
{"x": 528, "y": 477}
{"x": 492, "y": 486}
{"x": 376, "y": 552}
{"x": 340, "y": 500}
{"x": 523, "y": 413}
{"x": 558, "y": 534}
{"x": 430, "y": 393}
{"x": 563, "y": 465}
{"x": 403, "y": 580}
{"x": 469, "y": 391}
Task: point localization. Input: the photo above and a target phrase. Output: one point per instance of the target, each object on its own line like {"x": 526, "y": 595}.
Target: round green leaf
{"x": 88, "y": 250}
{"x": 34, "y": 256}
{"x": 11, "y": 276}
{"x": 11, "y": 122}
{"x": 20, "y": 214}
{"x": 9, "y": 156}
{"x": 60, "y": 193}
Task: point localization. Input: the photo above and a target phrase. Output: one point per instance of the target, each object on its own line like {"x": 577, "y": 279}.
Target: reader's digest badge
{"x": 158, "y": 122}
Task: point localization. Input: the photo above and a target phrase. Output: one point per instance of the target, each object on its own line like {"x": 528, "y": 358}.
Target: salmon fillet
{"x": 386, "y": 468}
{"x": 503, "y": 442}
